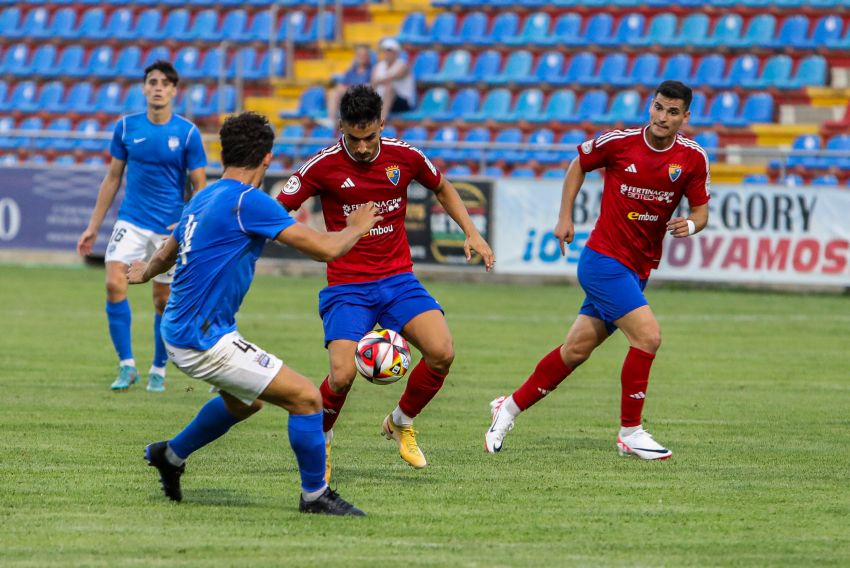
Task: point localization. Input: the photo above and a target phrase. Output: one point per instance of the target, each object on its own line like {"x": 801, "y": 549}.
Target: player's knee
{"x": 342, "y": 377}
{"x": 574, "y": 355}
{"x": 159, "y": 303}
{"x": 116, "y": 289}
{"x": 308, "y": 401}
{"x": 650, "y": 341}
{"x": 441, "y": 359}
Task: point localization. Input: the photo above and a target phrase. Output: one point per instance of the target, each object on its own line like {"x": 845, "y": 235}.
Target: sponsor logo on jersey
{"x": 173, "y": 143}
{"x": 293, "y": 184}
{"x": 587, "y": 147}
{"x": 675, "y": 170}
{"x": 393, "y": 174}
{"x": 386, "y": 206}
{"x": 380, "y": 230}
{"x": 632, "y": 169}
{"x": 646, "y": 194}
{"x": 138, "y": 140}
{"x": 635, "y": 216}
{"x": 347, "y": 183}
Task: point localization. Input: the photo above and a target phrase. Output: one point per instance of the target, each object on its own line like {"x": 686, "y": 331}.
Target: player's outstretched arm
{"x": 564, "y": 230}
{"x": 449, "y": 198}
{"x": 140, "y": 271}
{"x": 105, "y": 196}
{"x": 325, "y": 247}
{"x": 680, "y": 227}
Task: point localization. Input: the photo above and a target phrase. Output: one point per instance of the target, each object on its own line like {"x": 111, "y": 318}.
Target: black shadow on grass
{"x": 213, "y": 498}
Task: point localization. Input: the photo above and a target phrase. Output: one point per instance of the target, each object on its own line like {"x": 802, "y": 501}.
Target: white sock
{"x": 400, "y": 418}
{"x": 628, "y": 431}
{"x": 127, "y": 362}
{"x": 173, "y": 458}
{"x": 313, "y": 495}
{"x": 158, "y": 370}
{"x": 511, "y": 407}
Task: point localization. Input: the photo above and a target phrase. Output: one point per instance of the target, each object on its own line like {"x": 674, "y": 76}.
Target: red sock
{"x": 548, "y": 374}
{"x": 423, "y": 384}
{"x": 332, "y": 404}
{"x": 634, "y": 380}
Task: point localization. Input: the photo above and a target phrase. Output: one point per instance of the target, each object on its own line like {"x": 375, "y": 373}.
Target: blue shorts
{"x": 349, "y": 311}
{"x": 612, "y": 289}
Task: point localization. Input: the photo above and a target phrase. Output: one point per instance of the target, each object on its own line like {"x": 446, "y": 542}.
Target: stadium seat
{"x": 698, "y": 110}
{"x": 258, "y": 29}
{"x": 149, "y": 26}
{"x": 559, "y": 108}
{"x": 320, "y": 28}
{"x": 92, "y": 24}
{"x": 434, "y": 102}
{"x": 233, "y": 26}
{"x": 811, "y": 72}
{"x": 760, "y": 31}
{"x": 455, "y": 67}
{"x": 826, "y": 180}
{"x": 415, "y": 134}
{"x": 517, "y": 69}
{"x": 127, "y": 64}
{"x": 793, "y": 33}
{"x": 776, "y": 70}
{"x": 580, "y": 70}
{"x": 644, "y": 72}
{"x": 323, "y": 137}
{"x": 724, "y": 109}
{"x": 35, "y": 24}
{"x": 744, "y": 69}
{"x": 486, "y": 67}
{"x": 662, "y": 29}
{"x": 70, "y": 63}
{"x": 61, "y": 144}
{"x": 625, "y": 108}
{"x": 543, "y": 137}
{"x": 16, "y": 61}
{"x": 628, "y": 30}
{"x": 7, "y": 142}
{"x": 414, "y": 29}
{"x": 827, "y": 31}
{"x": 476, "y": 135}
{"x": 756, "y": 179}
{"x": 507, "y": 136}
{"x": 842, "y": 42}
{"x": 694, "y": 30}
{"x": 536, "y": 27}
{"x": 710, "y": 72}
{"x": 23, "y": 97}
{"x": 43, "y": 61}
{"x": 505, "y": 26}
{"x": 426, "y": 64}
{"x": 758, "y": 108}
{"x": 187, "y": 62}
{"x": 566, "y": 31}
{"x": 100, "y": 62}
{"x": 550, "y": 68}
{"x": 710, "y": 142}
{"x": 94, "y": 162}
{"x": 472, "y": 29}
{"x": 157, "y": 53}
{"x": 529, "y": 105}
{"x": 90, "y": 127}
{"x": 806, "y": 143}
{"x": 289, "y": 148}
{"x": 613, "y": 67}
{"x": 10, "y": 23}
{"x": 175, "y": 25}
{"x": 79, "y": 98}
{"x": 792, "y": 180}
{"x": 134, "y": 101}
{"x": 108, "y": 99}
{"x": 273, "y": 62}
{"x": 443, "y": 28}
{"x": 311, "y": 104}
{"x": 446, "y": 135}
{"x": 727, "y": 31}
{"x": 464, "y": 103}
{"x": 32, "y": 123}
{"x": 522, "y": 173}
{"x": 458, "y": 170}
{"x": 50, "y": 98}
{"x": 677, "y": 68}
{"x": 63, "y": 24}
{"x": 496, "y": 104}
{"x": 839, "y": 143}
{"x": 202, "y": 28}
{"x": 244, "y": 63}
{"x": 492, "y": 171}
{"x": 599, "y": 30}
{"x": 554, "y": 173}
{"x": 592, "y": 106}
{"x": 120, "y": 25}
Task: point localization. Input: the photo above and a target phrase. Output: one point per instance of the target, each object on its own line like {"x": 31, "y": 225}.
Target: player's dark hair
{"x": 245, "y": 140}
{"x": 676, "y": 90}
{"x": 166, "y": 68}
{"x": 360, "y": 105}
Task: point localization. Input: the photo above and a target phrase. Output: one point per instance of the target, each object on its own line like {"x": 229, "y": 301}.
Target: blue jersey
{"x": 221, "y": 233}
{"x": 158, "y": 157}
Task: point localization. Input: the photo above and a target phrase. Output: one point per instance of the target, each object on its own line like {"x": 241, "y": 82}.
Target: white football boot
{"x": 502, "y": 423}
{"x": 640, "y": 443}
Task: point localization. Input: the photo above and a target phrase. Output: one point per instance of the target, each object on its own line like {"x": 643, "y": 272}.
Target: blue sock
{"x": 211, "y": 423}
{"x": 308, "y": 443}
{"x": 120, "y": 317}
{"x": 160, "y": 357}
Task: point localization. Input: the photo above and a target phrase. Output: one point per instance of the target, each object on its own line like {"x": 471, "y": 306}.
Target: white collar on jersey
{"x": 648, "y": 145}
{"x": 345, "y": 146}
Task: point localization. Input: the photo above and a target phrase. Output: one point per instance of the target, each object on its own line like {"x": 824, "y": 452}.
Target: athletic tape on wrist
{"x": 692, "y": 228}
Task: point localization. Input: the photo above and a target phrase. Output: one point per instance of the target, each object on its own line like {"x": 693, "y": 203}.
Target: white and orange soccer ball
{"x": 382, "y": 356}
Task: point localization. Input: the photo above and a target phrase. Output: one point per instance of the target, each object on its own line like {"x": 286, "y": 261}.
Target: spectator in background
{"x": 393, "y": 79}
{"x": 360, "y": 73}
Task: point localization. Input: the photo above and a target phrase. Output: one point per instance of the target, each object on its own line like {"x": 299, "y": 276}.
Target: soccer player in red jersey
{"x": 374, "y": 282}
{"x": 647, "y": 171}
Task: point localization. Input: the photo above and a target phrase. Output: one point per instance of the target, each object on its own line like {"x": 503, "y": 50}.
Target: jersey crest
{"x": 675, "y": 171}
{"x": 173, "y": 143}
{"x": 393, "y": 174}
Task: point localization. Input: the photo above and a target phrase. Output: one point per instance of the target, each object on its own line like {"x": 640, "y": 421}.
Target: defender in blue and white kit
{"x": 157, "y": 148}
{"x": 216, "y": 244}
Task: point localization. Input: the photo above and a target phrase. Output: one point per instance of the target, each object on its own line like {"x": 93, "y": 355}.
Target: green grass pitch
{"x": 750, "y": 391}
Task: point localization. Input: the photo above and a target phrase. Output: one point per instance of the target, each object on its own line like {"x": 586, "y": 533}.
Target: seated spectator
{"x": 393, "y": 79}
{"x": 360, "y": 73}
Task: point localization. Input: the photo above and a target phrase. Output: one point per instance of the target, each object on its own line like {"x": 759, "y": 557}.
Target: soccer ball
{"x": 383, "y": 356}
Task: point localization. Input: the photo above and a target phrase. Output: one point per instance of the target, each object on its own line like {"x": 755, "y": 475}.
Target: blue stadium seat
{"x": 92, "y": 23}
{"x": 415, "y": 134}
{"x": 472, "y": 29}
{"x": 580, "y": 70}
{"x": 839, "y": 143}
{"x": 61, "y": 144}
{"x": 486, "y": 67}
{"x": 43, "y": 61}
{"x": 492, "y": 171}
{"x": 710, "y": 142}
{"x": 694, "y": 30}
{"x": 204, "y": 27}
{"x": 529, "y": 105}
{"x": 79, "y": 98}
{"x": 455, "y": 67}
{"x": 127, "y": 64}
{"x": 288, "y": 148}
{"x": 50, "y": 99}
{"x": 536, "y": 27}
{"x": 4, "y": 92}
{"x": 477, "y": 135}
{"x": 233, "y": 26}
{"x": 434, "y": 102}
{"x": 190, "y": 99}
{"x": 811, "y": 72}
{"x": 94, "y": 162}
{"x": 120, "y": 25}
{"x": 274, "y": 61}
{"x": 312, "y": 104}
{"x": 710, "y": 72}
{"x": 744, "y": 69}
{"x": 31, "y": 123}
{"x": 625, "y": 108}
{"x": 36, "y": 24}
{"x": 613, "y": 67}
{"x": 187, "y": 62}
{"x": 443, "y": 28}
{"x": 644, "y": 72}
{"x": 505, "y": 26}
{"x": 724, "y": 109}
{"x": 389, "y": 132}
{"x": 758, "y": 108}
{"x": 258, "y": 29}
{"x": 543, "y": 137}
{"x": 759, "y": 32}
{"x": 134, "y": 101}
{"x": 176, "y": 24}
{"x": 10, "y": 23}
{"x": 446, "y": 135}
{"x": 677, "y": 68}
{"x": 699, "y": 117}
{"x": 464, "y": 103}
{"x": 777, "y": 70}
{"x": 793, "y": 33}
{"x": 842, "y": 42}
{"x": 64, "y": 24}
{"x": 628, "y": 31}
{"x": 550, "y": 68}
{"x": 522, "y": 173}
{"x": 157, "y": 53}
{"x": 100, "y": 62}
{"x": 458, "y": 170}
{"x": 592, "y": 106}
{"x": 321, "y": 27}
{"x": 16, "y": 61}
{"x": 496, "y": 105}
{"x": 149, "y": 25}
{"x": 23, "y": 97}
{"x": 108, "y": 99}
{"x": 599, "y": 30}
{"x": 566, "y": 32}
{"x": 662, "y": 29}
{"x": 90, "y": 127}
{"x": 517, "y": 69}
{"x": 414, "y": 29}
{"x": 827, "y": 31}
{"x": 826, "y": 180}
{"x": 559, "y": 108}
{"x": 323, "y": 136}
{"x": 426, "y": 64}
{"x": 507, "y": 136}
{"x": 245, "y": 63}
{"x": 554, "y": 173}
{"x": 7, "y": 142}
{"x": 792, "y": 180}
{"x": 756, "y": 179}
{"x": 727, "y": 31}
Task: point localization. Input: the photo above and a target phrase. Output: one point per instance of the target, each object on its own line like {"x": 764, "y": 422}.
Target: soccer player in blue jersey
{"x": 216, "y": 243}
{"x": 156, "y": 147}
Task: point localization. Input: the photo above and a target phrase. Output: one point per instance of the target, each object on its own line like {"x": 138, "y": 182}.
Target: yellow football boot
{"x": 405, "y": 437}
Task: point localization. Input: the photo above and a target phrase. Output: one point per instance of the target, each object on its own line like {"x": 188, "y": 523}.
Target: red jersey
{"x": 643, "y": 187}
{"x": 343, "y": 184}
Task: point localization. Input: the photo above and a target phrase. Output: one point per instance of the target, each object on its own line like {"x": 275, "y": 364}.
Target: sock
{"x": 423, "y": 385}
{"x": 400, "y": 418}
{"x": 120, "y": 317}
{"x": 634, "y": 380}
{"x": 173, "y": 458}
{"x": 308, "y": 443}
{"x": 624, "y": 431}
{"x": 160, "y": 357}
{"x": 548, "y": 374}
{"x": 331, "y": 403}
{"x": 127, "y": 362}
{"x": 212, "y": 422}
{"x": 511, "y": 406}
{"x": 158, "y": 370}
{"x": 310, "y": 496}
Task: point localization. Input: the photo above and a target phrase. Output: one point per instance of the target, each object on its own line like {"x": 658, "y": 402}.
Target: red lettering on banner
{"x": 833, "y": 254}
{"x": 708, "y": 248}
{"x": 738, "y": 253}
{"x": 679, "y": 253}
{"x": 806, "y": 255}
{"x": 775, "y": 259}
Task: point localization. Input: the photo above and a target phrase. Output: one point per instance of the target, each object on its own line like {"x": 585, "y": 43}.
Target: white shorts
{"x": 239, "y": 368}
{"x": 129, "y": 242}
